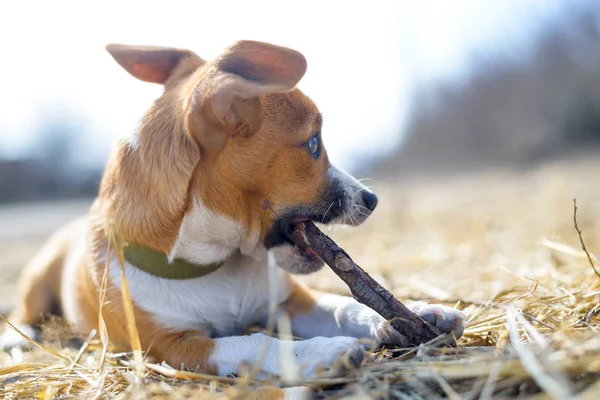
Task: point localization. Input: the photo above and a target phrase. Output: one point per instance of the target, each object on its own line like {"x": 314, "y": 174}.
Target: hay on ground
{"x": 501, "y": 246}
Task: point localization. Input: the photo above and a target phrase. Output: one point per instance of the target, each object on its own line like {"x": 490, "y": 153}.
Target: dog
{"x": 223, "y": 164}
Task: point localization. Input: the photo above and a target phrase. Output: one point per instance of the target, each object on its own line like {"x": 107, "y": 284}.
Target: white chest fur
{"x": 206, "y": 236}
{"x": 222, "y": 303}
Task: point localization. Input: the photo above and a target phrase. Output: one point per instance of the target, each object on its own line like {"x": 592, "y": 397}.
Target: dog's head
{"x": 229, "y": 157}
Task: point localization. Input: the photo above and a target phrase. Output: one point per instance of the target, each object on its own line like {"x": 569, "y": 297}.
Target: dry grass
{"x": 501, "y": 246}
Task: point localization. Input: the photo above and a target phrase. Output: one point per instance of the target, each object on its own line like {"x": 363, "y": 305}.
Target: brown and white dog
{"x": 225, "y": 160}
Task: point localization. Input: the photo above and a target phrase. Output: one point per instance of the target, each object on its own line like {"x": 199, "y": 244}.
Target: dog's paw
{"x": 298, "y": 393}
{"x": 327, "y": 356}
{"x": 10, "y": 338}
{"x": 445, "y": 319}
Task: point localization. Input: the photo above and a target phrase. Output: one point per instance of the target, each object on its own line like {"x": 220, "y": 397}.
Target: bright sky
{"x": 364, "y": 59}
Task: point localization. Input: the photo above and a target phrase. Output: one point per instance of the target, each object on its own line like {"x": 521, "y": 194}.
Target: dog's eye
{"x": 313, "y": 146}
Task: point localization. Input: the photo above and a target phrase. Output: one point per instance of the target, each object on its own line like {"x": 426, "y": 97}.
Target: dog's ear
{"x": 148, "y": 63}
{"x": 246, "y": 70}
{"x": 254, "y": 68}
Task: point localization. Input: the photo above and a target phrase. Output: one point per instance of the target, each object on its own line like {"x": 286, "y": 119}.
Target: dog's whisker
{"x": 344, "y": 217}
{"x": 359, "y": 191}
{"x": 360, "y": 212}
{"x": 361, "y": 180}
{"x": 359, "y": 207}
{"x": 326, "y": 211}
{"x": 353, "y": 221}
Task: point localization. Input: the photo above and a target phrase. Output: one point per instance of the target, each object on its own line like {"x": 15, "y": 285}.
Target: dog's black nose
{"x": 370, "y": 199}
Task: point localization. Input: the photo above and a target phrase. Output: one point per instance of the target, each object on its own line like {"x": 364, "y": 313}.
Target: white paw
{"x": 10, "y": 338}
{"x": 330, "y": 356}
{"x": 445, "y": 319}
{"x": 298, "y": 393}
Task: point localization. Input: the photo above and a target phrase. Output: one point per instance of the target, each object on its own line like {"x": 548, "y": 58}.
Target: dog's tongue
{"x": 299, "y": 238}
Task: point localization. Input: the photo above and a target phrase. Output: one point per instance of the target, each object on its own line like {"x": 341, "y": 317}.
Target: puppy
{"x": 222, "y": 164}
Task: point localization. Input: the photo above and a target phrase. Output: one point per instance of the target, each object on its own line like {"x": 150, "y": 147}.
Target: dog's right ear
{"x": 148, "y": 63}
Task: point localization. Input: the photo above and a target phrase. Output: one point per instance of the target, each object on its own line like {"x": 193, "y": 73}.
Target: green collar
{"x": 156, "y": 263}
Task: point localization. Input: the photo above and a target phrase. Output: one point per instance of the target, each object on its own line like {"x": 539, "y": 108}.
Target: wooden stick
{"x": 364, "y": 288}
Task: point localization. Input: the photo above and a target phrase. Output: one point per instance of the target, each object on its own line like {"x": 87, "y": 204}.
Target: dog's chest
{"x": 222, "y": 303}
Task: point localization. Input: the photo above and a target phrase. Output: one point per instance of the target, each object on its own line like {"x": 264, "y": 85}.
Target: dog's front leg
{"x": 236, "y": 354}
{"x": 322, "y": 314}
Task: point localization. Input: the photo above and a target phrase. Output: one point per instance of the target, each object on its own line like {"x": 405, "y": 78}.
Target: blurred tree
{"x": 512, "y": 111}
{"x": 49, "y": 170}
{"x": 54, "y": 144}
{"x": 581, "y": 122}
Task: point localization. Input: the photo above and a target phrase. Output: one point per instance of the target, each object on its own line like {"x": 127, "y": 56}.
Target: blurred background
{"x": 407, "y": 89}
{"x": 403, "y": 86}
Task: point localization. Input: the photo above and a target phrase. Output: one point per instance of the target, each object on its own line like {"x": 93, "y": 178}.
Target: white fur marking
{"x": 309, "y": 356}
{"x": 10, "y": 338}
{"x": 335, "y": 315}
{"x": 252, "y": 247}
{"x": 206, "y": 236}
{"x": 297, "y": 393}
{"x": 222, "y": 303}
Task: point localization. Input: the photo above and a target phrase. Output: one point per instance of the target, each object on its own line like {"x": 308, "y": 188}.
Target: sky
{"x": 365, "y": 60}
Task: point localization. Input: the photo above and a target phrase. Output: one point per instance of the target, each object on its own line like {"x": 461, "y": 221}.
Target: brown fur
{"x": 248, "y": 171}
{"x": 266, "y": 393}
{"x": 301, "y": 300}
{"x": 40, "y": 286}
{"x": 232, "y": 133}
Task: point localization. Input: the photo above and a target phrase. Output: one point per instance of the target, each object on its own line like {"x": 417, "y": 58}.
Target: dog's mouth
{"x": 303, "y": 247}
{"x": 291, "y": 252}
{"x": 281, "y": 234}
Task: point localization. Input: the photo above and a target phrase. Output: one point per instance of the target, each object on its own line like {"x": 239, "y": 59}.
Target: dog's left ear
{"x": 254, "y": 68}
{"x": 246, "y": 70}
{"x": 149, "y": 63}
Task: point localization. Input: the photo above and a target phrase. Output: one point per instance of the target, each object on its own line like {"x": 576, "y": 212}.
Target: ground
{"x": 500, "y": 245}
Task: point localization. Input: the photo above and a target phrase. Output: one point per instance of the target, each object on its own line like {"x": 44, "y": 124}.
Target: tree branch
{"x": 364, "y": 288}
{"x": 589, "y": 257}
